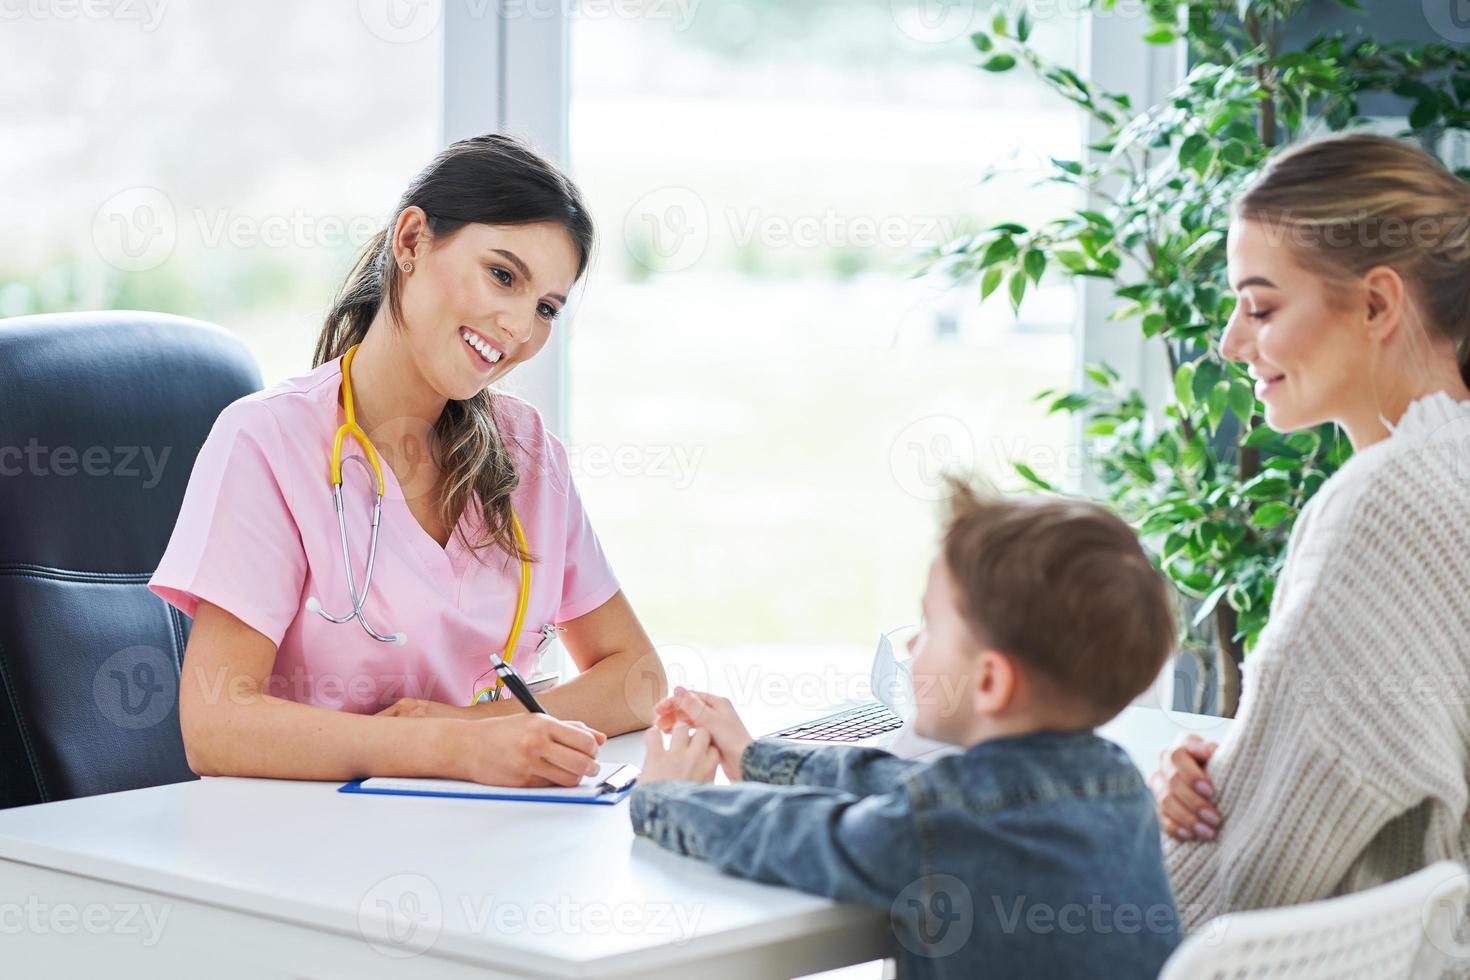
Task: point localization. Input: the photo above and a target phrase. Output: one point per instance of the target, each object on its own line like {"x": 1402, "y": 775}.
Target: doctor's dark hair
{"x": 1063, "y": 587}
{"x": 490, "y": 179}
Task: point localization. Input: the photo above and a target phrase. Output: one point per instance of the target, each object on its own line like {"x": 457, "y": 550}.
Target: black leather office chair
{"x": 101, "y": 418}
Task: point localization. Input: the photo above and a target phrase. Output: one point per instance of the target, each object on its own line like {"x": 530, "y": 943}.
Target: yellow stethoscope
{"x": 359, "y": 599}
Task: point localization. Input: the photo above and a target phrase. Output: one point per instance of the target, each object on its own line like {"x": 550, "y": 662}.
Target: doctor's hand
{"x": 706, "y": 712}
{"x": 1183, "y": 793}
{"x": 523, "y": 750}
{"x": 689, "y": 755}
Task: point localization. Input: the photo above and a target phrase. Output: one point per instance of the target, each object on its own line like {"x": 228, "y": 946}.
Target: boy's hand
{"x": 689, "y": 755}
{"x": 708, "y": 713}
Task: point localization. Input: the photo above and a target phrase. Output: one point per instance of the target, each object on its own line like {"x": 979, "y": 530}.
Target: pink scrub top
{"x": 257, "y": 536}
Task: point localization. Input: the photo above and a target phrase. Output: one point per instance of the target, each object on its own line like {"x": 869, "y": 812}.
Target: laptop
{"x": 884, "y": 722}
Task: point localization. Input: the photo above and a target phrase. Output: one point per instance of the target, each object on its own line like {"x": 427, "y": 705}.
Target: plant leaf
{"x": 998, "y": 251}
{"x": 1184, "y": 386}
{"x": 1035, "y": 264}
{"x": 1243, "y": 402}
{"x": 1270, "y": 514}
{"x": 991, "y": 280}
{"x": 1219, "y": 397}
{"x": 1018, "y": 288}
{"x": 1029, "y": 475}
{"x": 1208, "y": 604}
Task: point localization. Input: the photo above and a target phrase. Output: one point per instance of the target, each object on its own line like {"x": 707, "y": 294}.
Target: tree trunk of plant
{"x": 1228, "y": 656}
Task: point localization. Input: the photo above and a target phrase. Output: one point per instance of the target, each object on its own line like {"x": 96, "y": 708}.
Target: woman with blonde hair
{"x": 1347, "y": 764}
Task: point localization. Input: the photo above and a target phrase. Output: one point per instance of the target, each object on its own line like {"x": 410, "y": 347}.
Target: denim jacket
{"x": 1030, "y": 856}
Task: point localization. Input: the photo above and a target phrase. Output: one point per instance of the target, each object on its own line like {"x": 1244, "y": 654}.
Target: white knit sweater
{"x": 1348, "y": 762}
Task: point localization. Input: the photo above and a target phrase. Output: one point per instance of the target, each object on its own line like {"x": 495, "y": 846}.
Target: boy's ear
{"x": 996, "y": 680}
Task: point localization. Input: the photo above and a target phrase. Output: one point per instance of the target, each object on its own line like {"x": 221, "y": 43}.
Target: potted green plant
{"x": 1212, "y": 490}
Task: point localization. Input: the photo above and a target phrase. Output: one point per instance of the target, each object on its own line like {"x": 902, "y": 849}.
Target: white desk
{"x": 230, "y": 877}
{"x": 1145, "y": 731}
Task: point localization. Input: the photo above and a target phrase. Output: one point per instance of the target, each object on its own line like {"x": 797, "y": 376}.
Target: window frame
{"x": 525, "y": 89}
{"x": 1115, "y": 57}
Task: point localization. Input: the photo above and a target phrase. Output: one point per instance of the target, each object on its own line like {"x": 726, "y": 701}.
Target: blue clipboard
{"x": 617, "y": 785}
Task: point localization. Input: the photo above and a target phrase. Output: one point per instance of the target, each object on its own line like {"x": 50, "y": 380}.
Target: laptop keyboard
{"x": 850, "y": 725}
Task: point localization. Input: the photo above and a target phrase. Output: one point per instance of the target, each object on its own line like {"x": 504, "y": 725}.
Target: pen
{"x": 518, "y": 687}
{"x": 492, "y": 693}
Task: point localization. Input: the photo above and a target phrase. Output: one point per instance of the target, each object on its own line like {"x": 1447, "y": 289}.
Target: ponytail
{"x": 357, "y": 301}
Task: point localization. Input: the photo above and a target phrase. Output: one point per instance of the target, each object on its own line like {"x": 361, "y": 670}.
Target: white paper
{"x": 892, "y": 679}
{"x": 587, "y": 788}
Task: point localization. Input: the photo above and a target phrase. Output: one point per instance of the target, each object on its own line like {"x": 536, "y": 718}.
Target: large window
{"x": 761, "y": 398}
{"x": 223, "y": 161}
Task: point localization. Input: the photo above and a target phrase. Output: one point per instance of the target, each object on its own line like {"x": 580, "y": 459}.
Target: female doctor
{"x": 320, "y": 650}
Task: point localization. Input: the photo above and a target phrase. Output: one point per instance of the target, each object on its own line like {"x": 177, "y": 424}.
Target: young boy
{"x": 1032, "y": 853}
